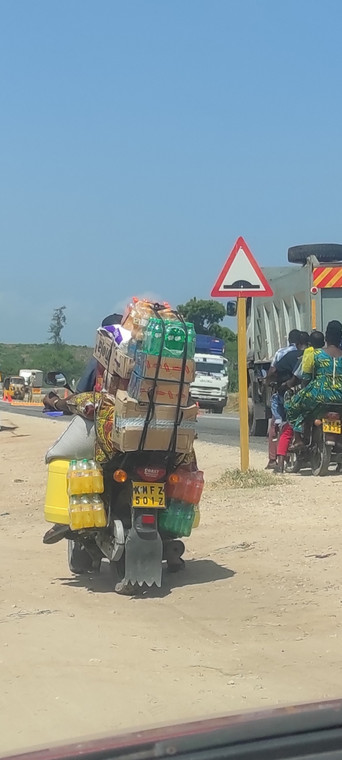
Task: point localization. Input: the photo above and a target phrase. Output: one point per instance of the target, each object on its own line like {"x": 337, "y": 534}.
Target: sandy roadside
{"x": 255, "y": 620}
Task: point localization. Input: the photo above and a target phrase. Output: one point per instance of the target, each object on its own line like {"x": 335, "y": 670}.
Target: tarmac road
{"x": 212, "y": 428}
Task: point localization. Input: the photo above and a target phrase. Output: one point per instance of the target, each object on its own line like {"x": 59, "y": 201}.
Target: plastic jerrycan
{"x": 56, "y": 508}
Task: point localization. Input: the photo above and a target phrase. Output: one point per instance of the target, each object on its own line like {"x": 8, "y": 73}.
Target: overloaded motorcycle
{"x": 322, "y": 442}
{"x": 150, "y": 501}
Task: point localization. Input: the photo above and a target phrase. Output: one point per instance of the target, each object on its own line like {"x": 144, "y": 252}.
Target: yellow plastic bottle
{"x": 97, "y": 477}
{"x": 75, "y": 513}
{"x": 85, "y": 476}
{"x": 87, "y": 512}
{"x": 73, "y": 479}
{"x": 197, "y": 518}
{"x": 99, "y": 512}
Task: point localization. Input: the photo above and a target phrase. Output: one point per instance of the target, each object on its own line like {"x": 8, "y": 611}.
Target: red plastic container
{"x": 185, "y": 486}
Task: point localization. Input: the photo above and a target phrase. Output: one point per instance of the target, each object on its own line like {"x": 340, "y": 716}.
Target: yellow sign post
{"x": 242, "y": 278}
{"x": 243, "y": 389}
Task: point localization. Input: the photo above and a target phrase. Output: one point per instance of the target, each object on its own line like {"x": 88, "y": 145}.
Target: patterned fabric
{"x": 325, "y": 386}
{"x": 307, "y": 363}
{"x": 104, "y": 447}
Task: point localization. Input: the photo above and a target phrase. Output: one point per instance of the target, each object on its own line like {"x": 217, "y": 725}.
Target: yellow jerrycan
{"x": 56, "y": 508}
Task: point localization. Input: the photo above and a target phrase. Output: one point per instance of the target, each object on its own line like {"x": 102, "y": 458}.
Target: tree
{"x": 205, "y": 315}
{"x": 56, "y": 326}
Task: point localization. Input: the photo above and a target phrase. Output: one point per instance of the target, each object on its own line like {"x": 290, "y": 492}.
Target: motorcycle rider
{"x": 87, "y": 382}
{"x": 53, "y": 401}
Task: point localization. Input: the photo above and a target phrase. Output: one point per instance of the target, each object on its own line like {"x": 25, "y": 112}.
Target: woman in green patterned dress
{"x": 324, "y": 382}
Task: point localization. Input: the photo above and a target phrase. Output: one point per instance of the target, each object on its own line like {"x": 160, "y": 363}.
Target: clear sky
{"x": 139, "y": 138}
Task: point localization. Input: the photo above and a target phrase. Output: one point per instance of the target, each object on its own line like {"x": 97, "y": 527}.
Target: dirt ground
{"x": 253, "y": 621}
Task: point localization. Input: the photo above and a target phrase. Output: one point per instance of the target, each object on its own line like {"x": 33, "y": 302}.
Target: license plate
{"x": 149, "y": 495}
{"x": 332, "y": 426}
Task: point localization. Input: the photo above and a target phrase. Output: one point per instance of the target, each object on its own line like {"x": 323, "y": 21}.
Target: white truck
{"x": 210, "y": 387}
{"x": 33, "y": 377}
{"x": 306, "y": 297}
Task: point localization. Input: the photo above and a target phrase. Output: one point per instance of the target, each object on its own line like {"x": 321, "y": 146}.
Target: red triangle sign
{"x": 241, "y": 275}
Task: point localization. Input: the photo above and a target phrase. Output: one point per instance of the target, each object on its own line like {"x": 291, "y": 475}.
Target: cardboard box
{"x": 129, "y": 419}
{"x": 170, "y": 369}
{"x": 113, "y": 383}
{"x": 104, "y": 347}
{"x": 140, "y": 388}
{"x": 121, "y": 364}
{"x": 110, "y": 357}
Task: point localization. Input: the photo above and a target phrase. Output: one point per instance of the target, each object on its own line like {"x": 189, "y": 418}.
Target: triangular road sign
{"x": 241, "y": 275}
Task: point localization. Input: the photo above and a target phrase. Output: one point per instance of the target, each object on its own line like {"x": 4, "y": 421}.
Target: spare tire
{"x": 299, "y": 254}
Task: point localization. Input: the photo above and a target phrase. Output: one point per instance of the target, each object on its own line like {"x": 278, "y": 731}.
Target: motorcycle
{"x": 322, "y": 442}
{"x": 137, "y": 537}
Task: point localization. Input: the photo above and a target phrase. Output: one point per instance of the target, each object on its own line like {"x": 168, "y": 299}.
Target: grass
{"x": 233, "y": 402}
{"x": 249, "y": 479}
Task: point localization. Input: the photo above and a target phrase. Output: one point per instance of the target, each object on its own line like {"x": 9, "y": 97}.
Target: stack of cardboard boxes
{"x": 151, "y": 386}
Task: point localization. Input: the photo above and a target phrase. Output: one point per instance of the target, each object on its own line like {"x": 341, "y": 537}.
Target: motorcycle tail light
{"x": 173, "y": 478}
{"x": 151, "y": 474}
{"x": 120, "y": 476}
{"x": 148, "y": 519}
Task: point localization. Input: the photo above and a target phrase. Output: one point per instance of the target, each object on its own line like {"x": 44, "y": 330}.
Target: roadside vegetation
{"x": 250, "y": 479}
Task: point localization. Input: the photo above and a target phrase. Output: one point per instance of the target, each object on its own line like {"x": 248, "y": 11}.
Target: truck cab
{"x": 210, "y": 387}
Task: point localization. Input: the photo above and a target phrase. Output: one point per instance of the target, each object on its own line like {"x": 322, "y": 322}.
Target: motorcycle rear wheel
{"x": 79, "y": 560}
{"x": 320, "y": 459}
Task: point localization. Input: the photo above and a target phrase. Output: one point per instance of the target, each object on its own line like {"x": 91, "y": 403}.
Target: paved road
{"x": 212, "y": 428}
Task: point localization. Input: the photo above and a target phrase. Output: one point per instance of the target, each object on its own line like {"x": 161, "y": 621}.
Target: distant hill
{"x": 69, "y": 359}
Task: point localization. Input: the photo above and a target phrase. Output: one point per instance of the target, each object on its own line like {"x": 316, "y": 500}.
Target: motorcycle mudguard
{"x": 143, "y": 559}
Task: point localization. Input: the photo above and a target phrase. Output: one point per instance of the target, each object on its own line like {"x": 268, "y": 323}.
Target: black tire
{"x": 218, "y": 410}
{"x": 79, "y": 560}
{"x": 258, "y": 428}
{"x": 298, "y": 254}
{"x": 320, "y": 460}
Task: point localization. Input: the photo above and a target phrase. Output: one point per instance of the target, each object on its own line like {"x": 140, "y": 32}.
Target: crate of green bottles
{"x": 177, "y": 519}
{"x": 170, "y": 338}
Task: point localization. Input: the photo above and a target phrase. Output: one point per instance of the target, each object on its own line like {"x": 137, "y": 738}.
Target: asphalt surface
{"x": 212, "y": 428}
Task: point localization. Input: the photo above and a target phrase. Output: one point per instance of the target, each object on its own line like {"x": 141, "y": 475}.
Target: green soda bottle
{"x": 174, "y": 341}
{"x": 178, "y": 518}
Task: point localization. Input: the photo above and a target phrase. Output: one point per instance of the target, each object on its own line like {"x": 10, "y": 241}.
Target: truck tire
{"x": 298, "y": 254}
{"x": 259, "y": 428}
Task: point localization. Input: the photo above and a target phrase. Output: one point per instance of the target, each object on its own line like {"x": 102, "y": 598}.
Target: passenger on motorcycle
{"x": 284, "y": 369}
{"x": 270, "y": 379}
{"x": 322, "y": 375}
{"x": 285, "y": 439}
{"x": 317, "y": 341}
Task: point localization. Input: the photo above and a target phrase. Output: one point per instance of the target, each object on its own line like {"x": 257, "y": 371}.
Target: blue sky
{"x": 139, "y": 138}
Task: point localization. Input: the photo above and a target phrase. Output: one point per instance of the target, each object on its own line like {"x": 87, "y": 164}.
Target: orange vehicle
{"x": 14, "y": 388}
